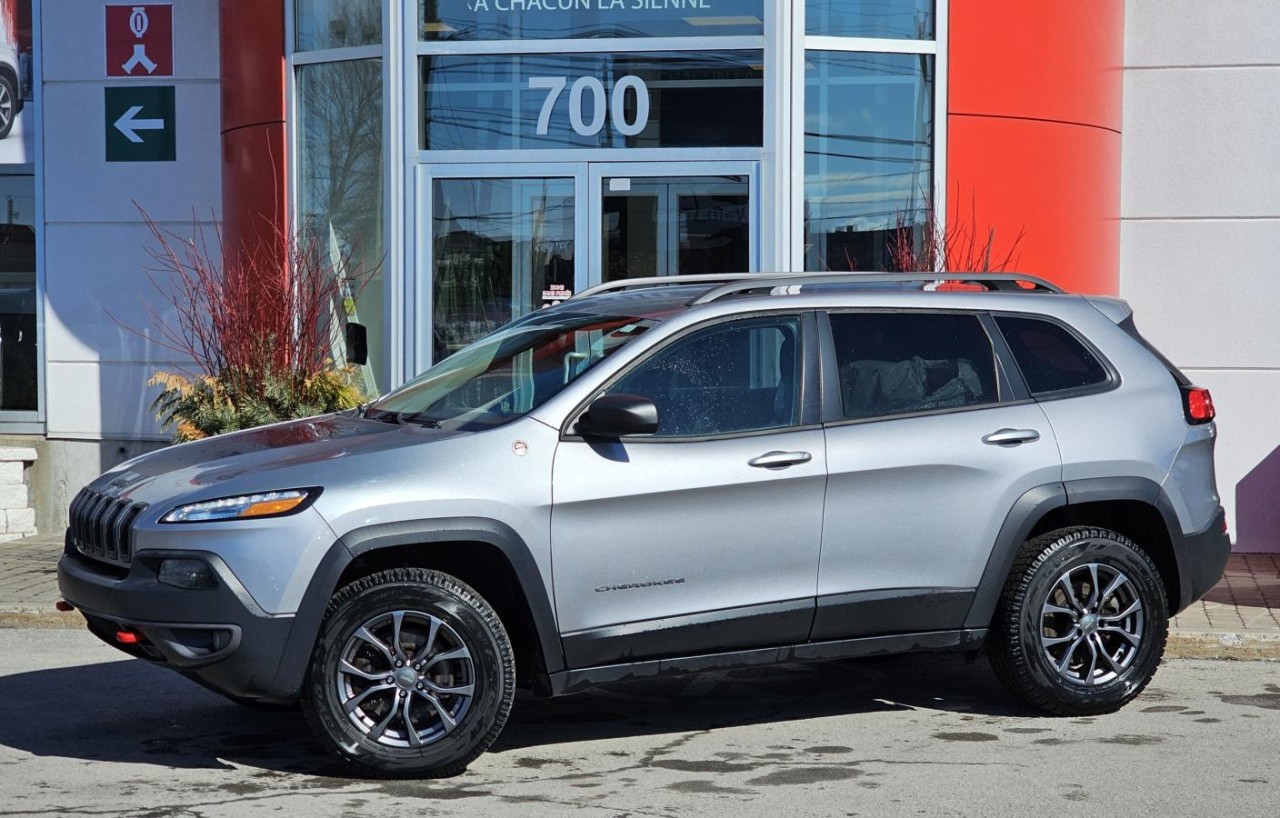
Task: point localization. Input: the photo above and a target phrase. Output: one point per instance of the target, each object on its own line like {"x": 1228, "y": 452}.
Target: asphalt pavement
{"x": 86, "y": 731}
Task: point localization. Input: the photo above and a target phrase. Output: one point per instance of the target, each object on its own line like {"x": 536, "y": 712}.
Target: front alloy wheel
{"x": 413, "y": 675}
{"x": 1081, "y": 623}
{"x": 405, "y": 679}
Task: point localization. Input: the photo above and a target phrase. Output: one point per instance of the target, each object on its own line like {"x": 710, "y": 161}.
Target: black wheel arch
{"x": 445, "y": 545}
{"x": 1134, "y": 506}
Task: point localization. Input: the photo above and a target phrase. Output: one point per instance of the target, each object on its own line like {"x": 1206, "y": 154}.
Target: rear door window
{"x": 905, "y": 363}
{"x": 1051, "y": 358}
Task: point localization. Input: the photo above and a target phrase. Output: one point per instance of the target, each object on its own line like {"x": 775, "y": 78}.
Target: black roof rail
{"x": 663, "y": 281}
{"x": 997, "y": 282}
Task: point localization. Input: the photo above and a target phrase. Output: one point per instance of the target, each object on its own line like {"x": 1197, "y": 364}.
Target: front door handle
{"x": 779, "y": 460}
{"x": 1011, "y": 437}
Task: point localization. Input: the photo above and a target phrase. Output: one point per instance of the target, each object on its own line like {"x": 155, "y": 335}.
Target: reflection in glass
{"x": 572, "y": 19}
{"x": 889, "y": 19}
{"x": 510, "y": 373}
{"x": 340, "y": 190}
{"x": 336, "y": 23}
{"x": 675, "y": 226}
{"x": 635, "y": 100}
{"x": 501, "y": 248}
{"x": 18, "y": 353}
{"x": 868, "y": 155}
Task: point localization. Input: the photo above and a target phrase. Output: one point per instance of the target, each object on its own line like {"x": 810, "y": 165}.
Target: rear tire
{"x": 1081, "y": 624}
{"x": 413, "y": 675}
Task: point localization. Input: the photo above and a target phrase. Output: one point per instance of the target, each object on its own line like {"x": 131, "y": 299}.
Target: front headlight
{"x": 243, "y": 507}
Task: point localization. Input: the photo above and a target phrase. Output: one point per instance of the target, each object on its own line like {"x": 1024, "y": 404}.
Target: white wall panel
{"x": 80, "y": 51}
{"x": 101, "y": 400}
{"x": 81, "y": 186}
{"x": 1201, "y": 32}
{"x": 98, "y": 291}
{"x": 95, "y": 242}
{"x": 1201, "y": 142}
{"x": 1207, "y": 293}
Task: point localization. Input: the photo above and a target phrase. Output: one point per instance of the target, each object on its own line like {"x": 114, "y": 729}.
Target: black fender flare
{"x": 324, "y": 582}
{"x": 1031, "y": 507}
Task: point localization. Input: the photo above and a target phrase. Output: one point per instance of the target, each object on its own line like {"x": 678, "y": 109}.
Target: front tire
{"x": 1081, "y": 624}
{"x": 413, "y": 675}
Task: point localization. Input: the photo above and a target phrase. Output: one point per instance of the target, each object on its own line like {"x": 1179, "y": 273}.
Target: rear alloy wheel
{"x": 1082, "y": 622}
{"x": 413, "y": 675}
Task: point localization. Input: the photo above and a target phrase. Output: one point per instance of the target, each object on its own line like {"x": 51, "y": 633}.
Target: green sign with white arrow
{"x": 141, "y": 123}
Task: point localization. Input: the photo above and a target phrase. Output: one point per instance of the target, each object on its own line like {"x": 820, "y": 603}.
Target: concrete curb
{"x": 43, "y": 618}
{"x": 1222, "y": 645}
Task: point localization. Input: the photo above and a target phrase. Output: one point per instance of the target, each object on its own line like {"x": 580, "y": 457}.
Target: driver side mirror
{"x": 618, "y": 415}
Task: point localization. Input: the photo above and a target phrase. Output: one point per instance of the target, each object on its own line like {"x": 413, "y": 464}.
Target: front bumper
{"x": 218, "y": 637}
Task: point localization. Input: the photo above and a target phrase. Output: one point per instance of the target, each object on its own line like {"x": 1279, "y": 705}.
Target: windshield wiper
{"x": 383, "y": 415}
{"x": 421, "y": 419}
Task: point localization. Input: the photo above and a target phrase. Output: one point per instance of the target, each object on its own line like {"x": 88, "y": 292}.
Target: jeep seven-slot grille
{"x": 102, "y": 526}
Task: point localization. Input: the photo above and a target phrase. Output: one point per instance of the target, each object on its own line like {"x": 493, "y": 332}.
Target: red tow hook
{"x": 64, "y": 606}
{"x": 127, "y": 637}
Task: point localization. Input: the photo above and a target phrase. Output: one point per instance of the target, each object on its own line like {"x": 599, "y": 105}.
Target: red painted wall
{"x": 254, "y": 159}
{"x": 1033, "y": 132}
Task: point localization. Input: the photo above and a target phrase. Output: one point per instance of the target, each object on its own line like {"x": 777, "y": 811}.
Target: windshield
{"x": 509, "y": 373}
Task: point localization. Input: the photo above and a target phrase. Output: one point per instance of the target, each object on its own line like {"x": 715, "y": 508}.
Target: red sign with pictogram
{"x": 140, "y": 40}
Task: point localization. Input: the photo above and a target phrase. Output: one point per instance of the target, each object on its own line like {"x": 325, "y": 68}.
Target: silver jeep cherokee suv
{"x": 664, "y": 475}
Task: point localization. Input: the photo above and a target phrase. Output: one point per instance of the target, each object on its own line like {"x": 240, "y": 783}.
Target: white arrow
{"x": 129, "y": 126}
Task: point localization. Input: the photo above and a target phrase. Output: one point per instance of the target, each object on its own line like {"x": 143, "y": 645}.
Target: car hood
{"x": 284, "y": 455}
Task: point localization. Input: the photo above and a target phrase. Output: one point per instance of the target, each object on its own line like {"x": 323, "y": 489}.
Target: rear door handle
{"x": 779, "y": 460}
{"x": 1011, "y": 437}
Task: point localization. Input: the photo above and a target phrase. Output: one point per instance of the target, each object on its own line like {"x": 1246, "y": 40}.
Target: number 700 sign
{"x": 591, "y": 91}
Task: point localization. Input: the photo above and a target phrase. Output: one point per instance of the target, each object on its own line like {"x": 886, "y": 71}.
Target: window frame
{"x": 1112, "y": 381}
{"x": 808, "y": 371}
{"x": 1007, "y": 388}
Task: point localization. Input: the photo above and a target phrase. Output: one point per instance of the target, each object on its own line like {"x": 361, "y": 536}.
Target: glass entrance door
{"x": 495, "y": 245}
{"x": 671, "y": 219}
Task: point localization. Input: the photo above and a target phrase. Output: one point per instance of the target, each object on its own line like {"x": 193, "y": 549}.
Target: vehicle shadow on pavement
{"x": 129, "y": 711}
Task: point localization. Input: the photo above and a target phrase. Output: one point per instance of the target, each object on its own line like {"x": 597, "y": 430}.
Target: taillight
{"x": 1198, "y": 404}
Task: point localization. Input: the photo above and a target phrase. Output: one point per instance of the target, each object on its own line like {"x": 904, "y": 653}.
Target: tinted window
{"x": 739, "y": 377}
{"x": 896, "y": 363}
{"x": 1050, "y": 357}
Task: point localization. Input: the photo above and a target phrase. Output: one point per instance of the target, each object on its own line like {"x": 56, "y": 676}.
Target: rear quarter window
{"x": 1051, "y": 358}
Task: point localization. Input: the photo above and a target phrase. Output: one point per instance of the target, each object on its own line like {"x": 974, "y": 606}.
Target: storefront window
{"x": 569, "y": 19}
{"x": 646, "y": 100}
{"x": 320, "y": 24}
{"x": 18, "y": 353}
{"x": 340, "y": 191}
{"x": 868, "y": 155}
{"x": 887, "y": 19}
{"x": 501, "y": 248}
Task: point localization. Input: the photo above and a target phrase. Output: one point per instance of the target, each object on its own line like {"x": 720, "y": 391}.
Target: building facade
{"x": 478, "y": 159}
